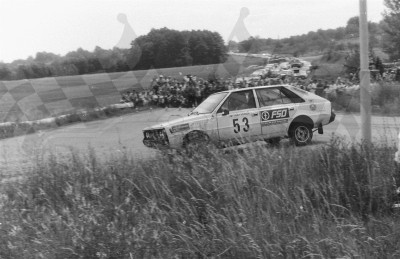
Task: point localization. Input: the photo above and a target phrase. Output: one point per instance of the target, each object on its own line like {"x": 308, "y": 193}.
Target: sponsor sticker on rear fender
{"x": 274, "y": 117}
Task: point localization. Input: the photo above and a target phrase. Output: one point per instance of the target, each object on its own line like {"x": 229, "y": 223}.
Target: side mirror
{"x": 225, "y": 112}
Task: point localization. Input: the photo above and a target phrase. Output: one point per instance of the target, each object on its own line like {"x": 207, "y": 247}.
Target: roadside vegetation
{"x": 14, "y": 129}
{"x": 333, "y": 201}
{"x": 385, "y": 99}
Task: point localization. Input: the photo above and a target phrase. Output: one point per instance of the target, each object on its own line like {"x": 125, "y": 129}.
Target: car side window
{"x": 271, "y": 96}
{"x": 292, "y": 96}
{"x": 239, "y": 101}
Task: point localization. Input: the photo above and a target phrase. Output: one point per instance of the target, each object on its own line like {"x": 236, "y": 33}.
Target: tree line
{"x": 384, "y": 35}
{"x": 160, "y": 48}
{"x": 163, "y": 48}
{"x": 78, "y": 62}
{"x": 339, "y": 39}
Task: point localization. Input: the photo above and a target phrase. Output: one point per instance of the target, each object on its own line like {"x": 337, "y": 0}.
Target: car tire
{"x": 196, "y": 139}
{"x": 301, "y": 134}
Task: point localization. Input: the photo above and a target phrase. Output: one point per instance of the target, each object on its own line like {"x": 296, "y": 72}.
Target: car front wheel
{"x": 196, "y": 139}
{"x": 301, "y": 134}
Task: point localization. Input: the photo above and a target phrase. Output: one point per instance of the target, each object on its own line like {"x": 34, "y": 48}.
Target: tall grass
{"x": 328, "y": 202}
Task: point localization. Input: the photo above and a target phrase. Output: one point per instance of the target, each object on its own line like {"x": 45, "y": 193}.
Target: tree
{"x": 46, "y": 57}
{"x": 392, "y": 27}
{"x": 251, "y": 45}
{"x": 5, "y": 72}
{"x": 233, "y": 46}
{"x": 352, "y": 27}
{"x": 352, "y": 64}
{"x": 162, "y": 48}
{"x": 199, "y": 49}
{"x": 24, "y": 71}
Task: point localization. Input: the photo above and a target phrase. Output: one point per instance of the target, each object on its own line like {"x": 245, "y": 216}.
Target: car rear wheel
{"x": 301, "y": 134}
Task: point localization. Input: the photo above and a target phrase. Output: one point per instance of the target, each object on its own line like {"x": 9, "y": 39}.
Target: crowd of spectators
{"x": 171, "y": 92}
{"x": 166, "y": 91}
{"x": 191, "y": 91}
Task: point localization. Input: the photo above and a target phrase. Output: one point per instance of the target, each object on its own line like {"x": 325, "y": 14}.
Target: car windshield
{"x": 209, "y": 104}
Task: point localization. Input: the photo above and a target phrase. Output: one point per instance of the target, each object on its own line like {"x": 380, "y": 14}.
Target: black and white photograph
{"x": 181, "y": 129}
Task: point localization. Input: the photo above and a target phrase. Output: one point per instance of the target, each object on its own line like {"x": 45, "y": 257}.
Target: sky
{"x": 60, "y": 26}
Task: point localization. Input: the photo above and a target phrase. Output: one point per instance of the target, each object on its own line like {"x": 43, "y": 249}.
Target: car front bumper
{"x": 155, "y": 144}
{"x": 156, "y": 138}
{"x": 332, "y": 118}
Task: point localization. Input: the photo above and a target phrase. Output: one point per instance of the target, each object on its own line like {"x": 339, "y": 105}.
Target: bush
{"x": 13, "y": 129}
{"x": 385, "y": 99}
{"x": 332, "y": 201}
{"x": 388, "y": 97}
{"x": 16, "y": 129}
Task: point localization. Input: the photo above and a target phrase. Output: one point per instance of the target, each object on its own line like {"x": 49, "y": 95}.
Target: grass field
{"x": 331, "y": 202}
{"x": 34, "y": 99}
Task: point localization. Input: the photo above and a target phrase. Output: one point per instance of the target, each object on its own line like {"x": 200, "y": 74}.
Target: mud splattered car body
{"x": 245, "y": 115}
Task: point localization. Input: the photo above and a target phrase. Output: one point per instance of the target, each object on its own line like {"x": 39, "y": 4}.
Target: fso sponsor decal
{"x": 275, "y": 114}
{"x": 275, "y": 122}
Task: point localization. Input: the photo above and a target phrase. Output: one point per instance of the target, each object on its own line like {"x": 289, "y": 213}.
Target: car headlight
{"x": 156, "y": 134}
{"x": 161, "y": 133}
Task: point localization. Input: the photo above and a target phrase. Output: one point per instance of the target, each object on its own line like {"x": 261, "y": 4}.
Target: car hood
{"x": 179, "y": 121}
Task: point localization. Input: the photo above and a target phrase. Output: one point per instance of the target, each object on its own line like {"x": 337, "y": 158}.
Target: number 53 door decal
{"x": 236, "y": 125}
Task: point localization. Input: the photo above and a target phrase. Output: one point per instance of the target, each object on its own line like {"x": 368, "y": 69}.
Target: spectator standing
{"x": 319, "y": 89}
{"x": 131, "y": 98}
{"x": 190, "y": 95}
{"x": 197, "y": 95}
{"x": 312, "y": 86}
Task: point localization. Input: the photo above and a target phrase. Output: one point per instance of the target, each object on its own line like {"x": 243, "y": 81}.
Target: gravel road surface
{"x": 119, "y": 134}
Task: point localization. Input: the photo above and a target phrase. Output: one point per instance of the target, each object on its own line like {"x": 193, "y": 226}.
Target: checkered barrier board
{"x": 35, "y": 99}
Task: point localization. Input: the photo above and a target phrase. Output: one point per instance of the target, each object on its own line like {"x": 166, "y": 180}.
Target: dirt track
{"x": 115, "y": 135}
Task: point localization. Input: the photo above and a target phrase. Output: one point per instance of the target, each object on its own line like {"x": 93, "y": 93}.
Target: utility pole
{"x": 365, "y": 92}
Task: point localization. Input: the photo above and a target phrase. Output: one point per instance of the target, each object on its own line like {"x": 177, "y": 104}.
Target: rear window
{"x": 292, "y": 96}
{"x": 276, "y": 96}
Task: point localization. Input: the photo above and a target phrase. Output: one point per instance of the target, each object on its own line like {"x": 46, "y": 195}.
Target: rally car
{"x": 244, "y": 115}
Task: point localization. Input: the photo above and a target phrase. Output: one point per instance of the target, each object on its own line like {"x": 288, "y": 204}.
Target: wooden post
{"x": 365, "y": 92}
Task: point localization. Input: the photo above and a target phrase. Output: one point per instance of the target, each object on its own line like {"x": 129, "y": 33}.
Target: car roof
{"x": 254, "y": 87}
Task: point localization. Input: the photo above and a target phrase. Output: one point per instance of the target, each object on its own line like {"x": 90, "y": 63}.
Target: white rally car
{"x": 248, "y": 114}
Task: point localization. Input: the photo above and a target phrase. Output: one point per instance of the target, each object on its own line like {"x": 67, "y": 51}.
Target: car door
{"x": 277, "y": 109}
{"x": 238, "y": 118}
